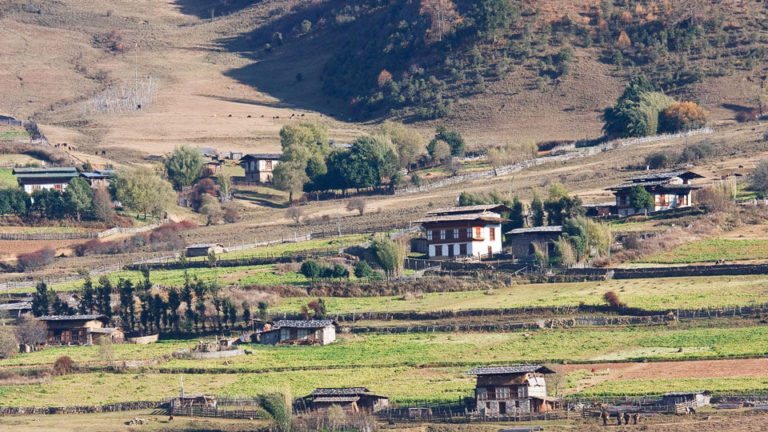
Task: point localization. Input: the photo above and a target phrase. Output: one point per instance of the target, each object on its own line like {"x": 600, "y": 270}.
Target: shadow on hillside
{"x": 212, "y": 8}
{"x": 290, "y": 72}
{"x": 736, "y": 108}
{"x": 262, "y": 199}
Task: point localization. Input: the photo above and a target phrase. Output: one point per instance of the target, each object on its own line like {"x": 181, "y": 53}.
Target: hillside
{"x": 229, "y": 75}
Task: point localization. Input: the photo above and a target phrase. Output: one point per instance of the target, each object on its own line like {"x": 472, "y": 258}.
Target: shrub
{"x": 758, "y": 180}
{"x": 31, "y": 331}
{"x": 363, "y": 270}
{"x": 659, "y": 160}
{"x": 683, "y": 116}
{"x": 231, "y": 215}
{"x": 35, "y": 260}
{"x": 311, "y": 269}
{"x": 63, "y": 365}
{"x": 717, "y": 198}
{"x": 696, "y": 152}
{"x": 612, "y": 300}
{"x": 747, "y": 116}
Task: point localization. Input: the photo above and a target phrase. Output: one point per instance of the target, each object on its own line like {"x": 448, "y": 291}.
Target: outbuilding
{"x": 204, "y": 249}
{"x": 693, "y": 399}
{"x": 310, "y": 332}
{"x": 522, "y": 243}
{"x": 351, "y": 399}
{"x": 76, "y": 329}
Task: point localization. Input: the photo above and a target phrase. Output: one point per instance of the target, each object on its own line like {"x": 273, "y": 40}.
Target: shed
{"x": 522, "y": 242}
{"x": 203, "y": 249}
{"x": 353, "y": 399}
{"x": 693, "y": 399}
{"x": 312, "y": 332}
{"x": 113, "y": 333}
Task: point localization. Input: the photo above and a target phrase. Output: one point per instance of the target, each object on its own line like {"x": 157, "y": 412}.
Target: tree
{"x": 184, "y": 166}
{"x": 224, "y": 181}
{"x": 291, "y": 177}
{"x": 40, "y": 300}
{"x": 683, "y": 116}
{"x": 102, "y": 206}
{"x": 87, "y": 301}
{"x": 371, "y": 160}
{"x": 442, "y": 16}
{"x": 363, "y": 270}
{"x": 278, "y": 407}
{"x": 408, "y": 143}
{"x": 127, "y": 309}
{"x": 8, "y": 343}
{"x": 640, "y": 198}
{"x": 492, "y": 16}
{"x": 759, "y": 178}
{"x": 439, "y": 150}
{"x": 143, "y": 191}
{"x": 311, "y": 269}
{"x": 211, "y": 208}
{"x": 453, "y": 138}
{"x": 246, "y": 312}
{"x": 263, "y": 310}
{"x": 104, "y": 297}
{"x": 14, "y": 201}
{"x": 31, "y": 331}
{"x": 80, "y": 197}
{"x": 356, "y": 204}
{"x": 559, "y": 205}
{"x": 390, "y": 256}
{"x": 340, "y": 272}
{"x": 537, "y": 211}
{"x": 516, "y": 216}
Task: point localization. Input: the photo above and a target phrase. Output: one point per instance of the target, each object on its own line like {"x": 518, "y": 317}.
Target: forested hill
{"x": 417, "y": 58}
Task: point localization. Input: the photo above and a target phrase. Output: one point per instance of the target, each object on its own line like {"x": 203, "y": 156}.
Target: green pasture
{"x": 652, "y": 294}
{"x": 712, "y": 250}
{"x": 7, "y": 179}
{"x": 640, "y": 387}
{"x": 313, "y": 245}
{"x": 448, "y": 349}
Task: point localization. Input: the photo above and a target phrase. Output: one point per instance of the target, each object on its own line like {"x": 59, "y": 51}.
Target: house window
{"x": 268, "y": 165}
{"x": 463, "y": 249}
{"x": 449, "y": 234}
{"x": 469, "y": 233}
{"x": 482, "y": 394}
{"x": 429, "y": 235}
{"x": 435, "y": 234}
{"x": 438, "y": 250}
{"x": 456, "y": 233}
{"x": 442, "y": 234}
{"x": 478, "y": 232}
{"x": 492, "y": 233}
{"x": 58, "y": 187}
{"x": 502, "y": 393}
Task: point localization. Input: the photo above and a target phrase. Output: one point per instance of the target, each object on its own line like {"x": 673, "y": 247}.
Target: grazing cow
{"x": 635, "y": 417}
{"x": 604, "y": 416}
{"x": 626, "y": 418}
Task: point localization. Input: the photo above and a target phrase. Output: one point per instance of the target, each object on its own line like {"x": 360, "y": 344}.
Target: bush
{"x": 311, "y": 269}
{"x": 363, "y": 270}
{"x": 231, "y": 215}
{"x": 357, "y": 204}
{"x": 747, "y": 116}
{"x": 696, "y": 152}
{"x": 660, "y": 160}
{"x": 612, "y": 300}
{"x": 8, "y": 343}
{"x": 35, "y": 260}
{"x": 758, "y": 180}
{"x": 63, "y": 365}
{"x": 31, "y": 331}
{"x": 683, "y": 116}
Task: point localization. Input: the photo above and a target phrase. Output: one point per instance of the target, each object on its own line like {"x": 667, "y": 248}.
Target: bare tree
{"x": 357, "y": 204}
{"x": 295, "y": 213}
{"x": 31, "y": 331}
{"x": 443, "y": 17}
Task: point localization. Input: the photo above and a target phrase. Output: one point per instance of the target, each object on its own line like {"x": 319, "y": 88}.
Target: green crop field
{"x": 449, "y": 349}
{"x": 712, "y": 250}
{"x": 737, "y": 385}
{"x": 652, "y": 294}
{"x": 7, "y": 179}
{"x": 325, "y": 244}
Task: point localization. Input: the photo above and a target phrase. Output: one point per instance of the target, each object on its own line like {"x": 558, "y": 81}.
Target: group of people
{"x": 604, "y": 414}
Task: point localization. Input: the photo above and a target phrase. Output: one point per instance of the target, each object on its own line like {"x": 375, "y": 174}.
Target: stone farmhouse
{"x": 79, "y": 329}
{"x": 258, "y": 167}
{"x": 512, "y": 390}
{"x": 470, "y": 231}
{"x": 310, "y": 332}
{"x": 350, "y": 399}
{"x": 670, "y": 190}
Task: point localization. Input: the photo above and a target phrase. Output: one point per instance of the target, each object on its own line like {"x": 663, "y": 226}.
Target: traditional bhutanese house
{"x": 351, "y": 399}
{"x": 203, "y": 249}
{"x": 464, "y": 231}
{"x": 670, "y": 190}
{"x": 258, "y": 167}
{"x": 35, "y": 179}
{"x": 511, "y": 390}
{"x": 75, "y": 329}
{"x": 312, "y": 332}
{"x": 16, "y": 309}
{"x": 693, "y": 399}
{"x": 211, "y": 168}
{"x": 522, "y": 243}
{"x": 98, "y": 178}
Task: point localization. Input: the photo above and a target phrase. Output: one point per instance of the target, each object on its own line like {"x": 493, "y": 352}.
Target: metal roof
{"x": 665, "y": 175}
{"x": 541, "y": 229}
{"x": 337, "y": 391}
{"x": 487, "y": 217}
{"x": 204, "y": 245}
{"x": 24, "y": 305}
{"x": 662, "y": 183}
{"x": 303, "y": 323}
{"x": 470, "y": 209}
{"x": 686, "y": 393}
{"x": 335, "y": 399}
{"x": 73, "y": 317}
{"x": 264, "y": 156}
{"x": 94, "y": 175}
{"x": 44, "y": 170}
{"x": 508, "y": 370}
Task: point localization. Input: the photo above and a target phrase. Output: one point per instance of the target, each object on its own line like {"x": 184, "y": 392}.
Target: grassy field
{"x": 450, "y": 349}
{"x": 653, "y": 294}
{"x": 7, "y": 179}
{"x": 324, "y": 244}
{"x": 736, "y": 385}
{"x": 711, "y": 250}
{"x": 246, "y": 275}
